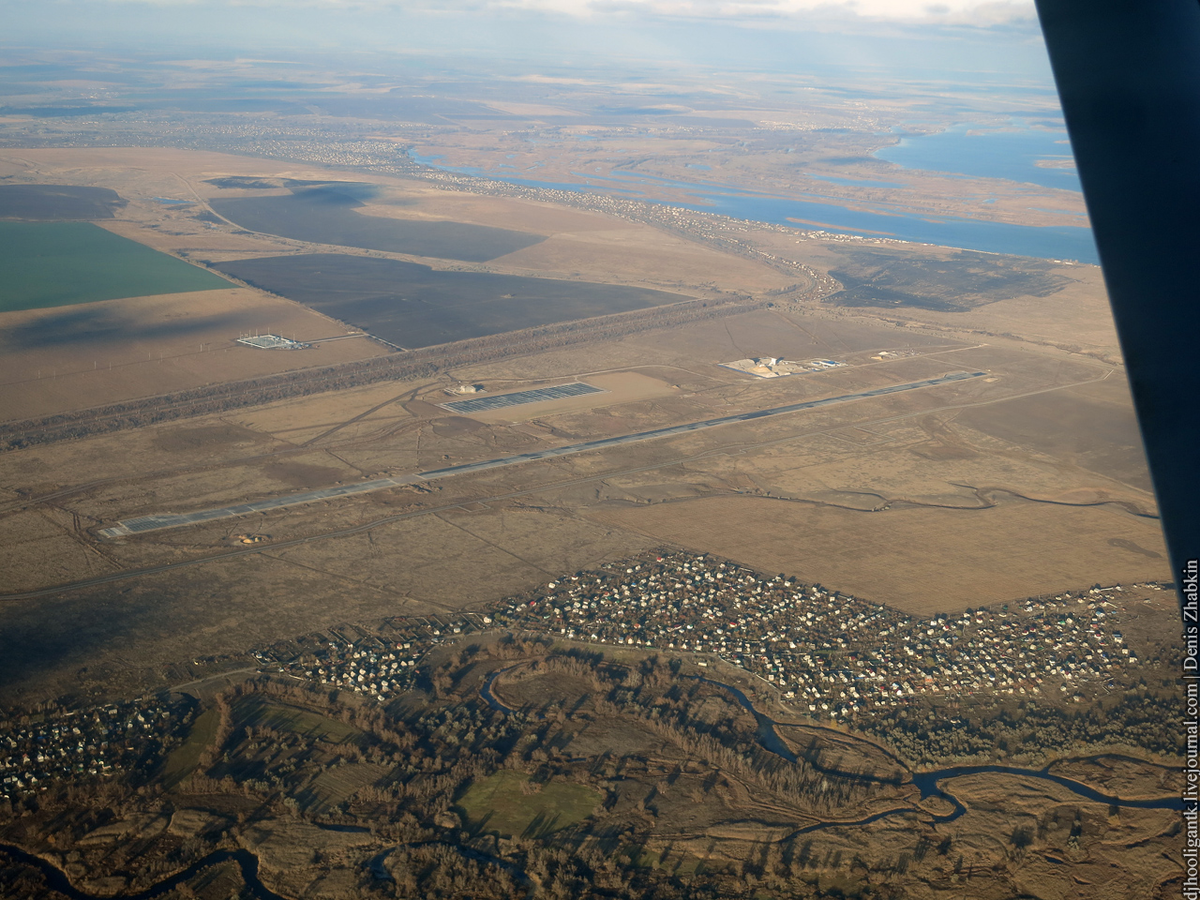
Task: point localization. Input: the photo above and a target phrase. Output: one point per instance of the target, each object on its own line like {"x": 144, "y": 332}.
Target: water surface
{"x": 1058, "y": 242}
{"x": 1012, "y": 154}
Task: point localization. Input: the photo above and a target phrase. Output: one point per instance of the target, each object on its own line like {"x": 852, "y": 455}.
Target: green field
{"x": 258, "y": 711}
{"x": 498, "y": 804}
{"x": 183, "y": 759}
{"x": 45, "y": 264}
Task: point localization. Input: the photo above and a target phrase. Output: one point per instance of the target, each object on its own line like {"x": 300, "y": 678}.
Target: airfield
{"x": 354, "y": 486}
{"x": 159, "y": 522}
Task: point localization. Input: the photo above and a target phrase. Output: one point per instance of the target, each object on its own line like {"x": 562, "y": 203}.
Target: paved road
{"x": 162, "y": 521}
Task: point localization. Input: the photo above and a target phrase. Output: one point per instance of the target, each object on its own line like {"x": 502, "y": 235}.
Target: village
{"x": 831, "y": 653}
{"x": 827, "y": 654}
{"x": 94, "y": 743}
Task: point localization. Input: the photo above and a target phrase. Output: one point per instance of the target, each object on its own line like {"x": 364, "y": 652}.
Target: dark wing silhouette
{"x": 1128, "y": 74}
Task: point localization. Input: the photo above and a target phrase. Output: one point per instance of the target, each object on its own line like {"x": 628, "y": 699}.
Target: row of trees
{"x": 1137, "y": 718}
{"x": 423, "y": 363}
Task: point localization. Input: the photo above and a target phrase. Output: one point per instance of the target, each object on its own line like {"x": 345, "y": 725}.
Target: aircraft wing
{"x": 1128, "y": 75}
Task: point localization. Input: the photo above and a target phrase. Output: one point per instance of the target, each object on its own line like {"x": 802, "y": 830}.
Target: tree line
{"x": 409, "y": 364}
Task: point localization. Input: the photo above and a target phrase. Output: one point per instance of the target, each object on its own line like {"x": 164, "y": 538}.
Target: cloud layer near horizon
{"x": 984, "y": 36}
{"x": 981, "y": 12}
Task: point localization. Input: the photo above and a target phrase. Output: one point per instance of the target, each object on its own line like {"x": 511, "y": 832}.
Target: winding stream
{"x": 57, "y": 879}
{"x": 929, "y": 783}
{"x": 490, "y": 698}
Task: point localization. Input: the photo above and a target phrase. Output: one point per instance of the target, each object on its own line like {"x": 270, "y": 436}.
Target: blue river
{"x": 1065, "y": 242}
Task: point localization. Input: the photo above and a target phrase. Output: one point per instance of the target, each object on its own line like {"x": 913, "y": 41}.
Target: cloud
{"x": 981, "y": 36}
{"x": 968, "y": 12}
{"x": 903, "y": 10}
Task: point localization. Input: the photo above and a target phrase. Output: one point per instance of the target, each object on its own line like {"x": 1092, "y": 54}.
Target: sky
{"x": 945, "y": 35}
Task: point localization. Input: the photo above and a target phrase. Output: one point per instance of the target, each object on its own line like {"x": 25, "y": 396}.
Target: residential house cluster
{"x": 832, "y": 653}
{"x": 40, "y": 749}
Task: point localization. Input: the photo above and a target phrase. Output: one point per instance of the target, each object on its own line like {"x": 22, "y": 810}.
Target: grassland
{"x": 906, "y": 475}
{"x": 1047, "y": 547}
{"x": 878, "y": 278}
{"x": 61, "y": 359}
{"x": 259, "y": 712}
{"x": 510, "y": 805}
{"x": 90, "y": 355}
{"x": 184, "y": 759}
{"x": 905, "y": 500}
{"x": 48, "y": 264}
{"x": 1027, "y": 481}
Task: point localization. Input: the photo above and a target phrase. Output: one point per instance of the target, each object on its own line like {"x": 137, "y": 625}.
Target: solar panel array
{"x": 500, "y": 401}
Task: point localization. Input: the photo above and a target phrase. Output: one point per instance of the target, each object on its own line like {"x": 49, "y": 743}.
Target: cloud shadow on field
{"x": 99, "y": 324}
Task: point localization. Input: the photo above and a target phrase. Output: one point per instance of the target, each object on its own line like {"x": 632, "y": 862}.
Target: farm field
{"x": 413, "y": 305}
{"x": 908, "y": 636}
{"x": 47, "y": 264}
{"x": 93, "y": 354}
{"x": 57, "y": 202}
{"x": 326, "y": 215}
{"x": 89, "y": 355}
{"x": 934, "y": 478}
{"x": 928, "y": 462}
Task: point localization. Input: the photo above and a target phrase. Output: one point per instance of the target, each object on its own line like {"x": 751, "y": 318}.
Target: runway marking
{"x": 161, "y": 521}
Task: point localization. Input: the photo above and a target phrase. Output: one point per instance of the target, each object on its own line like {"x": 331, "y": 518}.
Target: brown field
{"x": 56, "y": 360}
{"x": 1091, "y": 426}
{"x": 1028, "y": 481}
{"x": 101, "y": 353}
{"x": 919, "y": 560}
{"x": 583, "y": 245}
{"x": 995, "y": 807}
{"x": 285, "y": 850}
{"x": 1122, "y": 776}
{"x": 1077, "y": 316}
{"x": 665, "y": 262}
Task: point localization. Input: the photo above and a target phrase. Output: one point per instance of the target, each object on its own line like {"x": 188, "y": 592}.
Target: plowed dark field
{"x": 415, "y": 306}
{"x": 51, "y": 202}
{"x": 327, "y": 215}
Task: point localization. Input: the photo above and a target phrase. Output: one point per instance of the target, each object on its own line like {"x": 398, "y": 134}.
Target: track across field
{"x": 161, "y": 521}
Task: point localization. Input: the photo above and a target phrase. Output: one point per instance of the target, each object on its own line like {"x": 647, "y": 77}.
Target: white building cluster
{"x": 381, "y": 672}
{"x": 833, "y": 654}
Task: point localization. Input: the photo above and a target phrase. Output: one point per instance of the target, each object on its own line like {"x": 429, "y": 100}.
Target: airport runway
{"x": 161, "y": 521}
